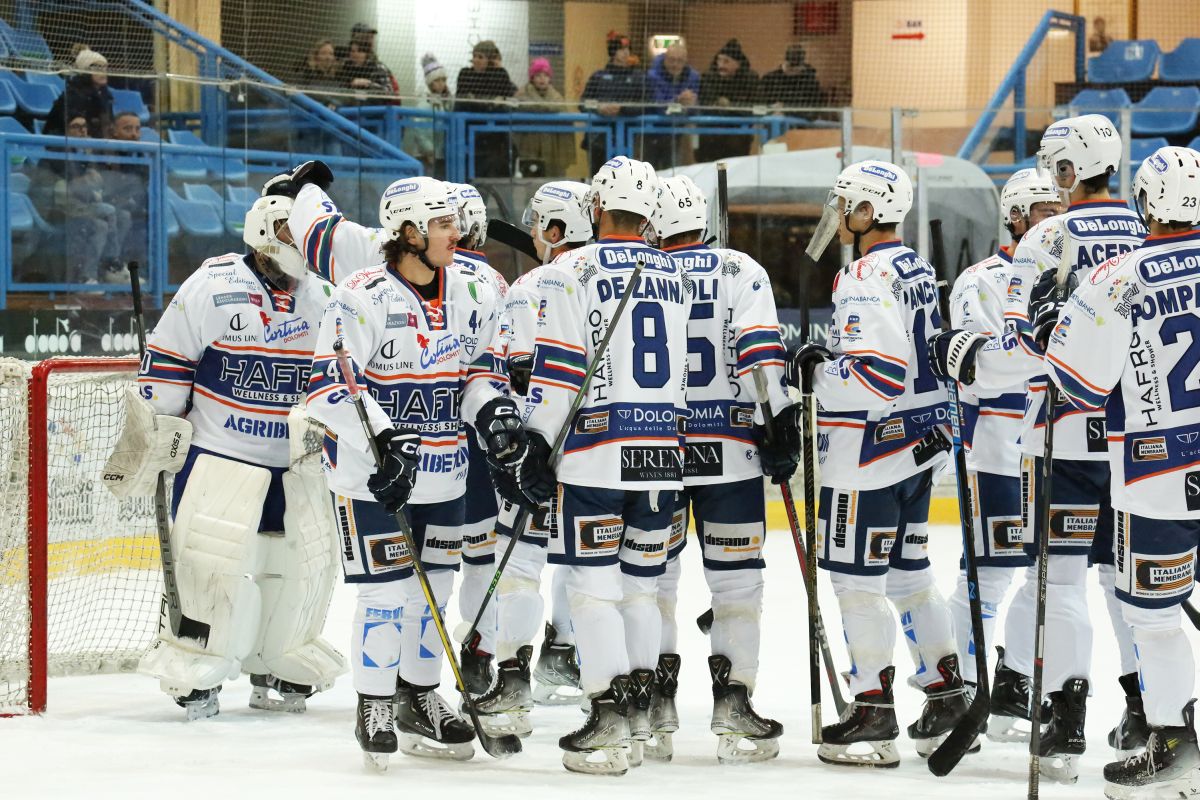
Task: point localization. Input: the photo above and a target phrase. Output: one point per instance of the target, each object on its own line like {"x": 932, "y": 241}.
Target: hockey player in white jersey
{"x": 559, "y": 224}
{"x": 406, "y": 323}
{"x": 733, "y": 330}
{"x": 1128, "y": 340}
{"x": 1082, "y": 153}
{"x": 992, "y": 432}
{"x": 479, "y": 522}
{"x": 879, "y": 416}
{"x": 622, "y": 461}
{"x": 254, "y": 542}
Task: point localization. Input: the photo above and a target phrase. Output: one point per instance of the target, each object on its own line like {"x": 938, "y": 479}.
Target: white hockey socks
{"x": 993, "y": 583}
{"x": 519, "y": 600}
{"x": 642, "y": 619}
{"x": 375, "y": 637}
{"x": 1121, "y": 628}
{"x": 1166, "y": 666}
{"x": 870, "y": 628}
{"x": 594, "y": 593}
{"x": 668, "y": 599}
{"x": 420, "y": 645}
{"x": 475, "y": 580}
{"x": 925, "y": 618}
{"x": 737, "y": 615}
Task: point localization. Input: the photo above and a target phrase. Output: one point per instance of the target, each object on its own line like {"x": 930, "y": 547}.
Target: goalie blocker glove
{"x": 393, "y": 481}
{"x": 952, "y": 355}
{"x": 801, "y": 363}
{"x": 780, "y": 452}
{"x": 500, "y": 429}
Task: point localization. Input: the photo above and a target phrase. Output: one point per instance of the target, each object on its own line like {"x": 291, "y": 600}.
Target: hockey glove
{"x": 290, "y": 183}
{"x": 952, "y": 355}
{"x": 535, "y": 475}
{"x": 802, "y": 361}
{"x": 508, "y": 485}
{"x": 519, "y": 370}
{"x": 780, "y": 454}
{"x": 1045, "y": 306}
{"x": 393, "y": 482}
{"x": 500, "y": 429}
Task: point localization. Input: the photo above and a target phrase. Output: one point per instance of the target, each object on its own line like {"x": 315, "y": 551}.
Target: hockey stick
{"x": 495, "y": 746}
{"x": 1043, "y": 512}
{"x": 556, "y": 446}
{"x": 722, "y": 205}
{"x": 818, "y": 642}
{"x": 962, "y": 736}
{"x": 1192, "y": 613}
{"x": 508, "y": 234}
{"x": 181, "y": 626}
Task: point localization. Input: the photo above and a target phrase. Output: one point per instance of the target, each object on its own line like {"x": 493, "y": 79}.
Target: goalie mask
{"x": 266, "y": 223}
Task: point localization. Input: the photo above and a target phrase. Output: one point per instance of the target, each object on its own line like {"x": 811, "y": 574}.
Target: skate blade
{"x": 199, "y": 711}
{"x": 550, "y": 694}
{"x": 1007, "y": 729}
{"x": 507, "y": 723}
{"x": 925, "y": 747}
{"x": 1059, "y": 768}
{"x": 1187, "y": 785}
{"x": 376, "y": 762}
{"x": 659, "y": 747}
{"x": 734, "y": 748}
{"x": 636, "y": 753}
{"x": 879, "y": 754}
{"x": 261, "y": 699}
{"x": 609, "y": 761}
{"x": 412, "y": 744}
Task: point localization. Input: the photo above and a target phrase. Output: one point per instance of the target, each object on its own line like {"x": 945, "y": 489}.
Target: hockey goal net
{"x": 79, "y": 571}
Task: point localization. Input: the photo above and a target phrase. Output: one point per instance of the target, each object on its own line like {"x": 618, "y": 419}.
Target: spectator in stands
{"x": 617, "y": 89}
{"x": 555, "y": 151}
{"x": 426, "y": 144}
{"x": 728, "y": 87}
{"x": 321, "y": 70}
{"x": 793, "y": 84}
{"x": 484, "y": 87}
{"x": 1098, "y": 41}
{"x": 86, "y": 95}
{"x": 361, "y": 71}
{"x": 671, "y": 81}
{"x": 125, "y": 187}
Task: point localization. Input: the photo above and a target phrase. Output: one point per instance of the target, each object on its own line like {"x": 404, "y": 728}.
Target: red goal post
{"x": 80, "y": 585}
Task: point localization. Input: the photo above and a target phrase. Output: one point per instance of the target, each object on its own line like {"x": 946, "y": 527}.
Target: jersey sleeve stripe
{"x": 163, "y": 351}
{"x": 318, "y": 244}
{"x": 562, "y": 345}
{"x": 887, "y": 394}
{"x": 200, "y": 390}
{"x": 555, "y": 384}
{"x": 875, "y": 354}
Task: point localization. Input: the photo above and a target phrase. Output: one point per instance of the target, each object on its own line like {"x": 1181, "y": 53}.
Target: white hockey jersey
{"x": 332, "y": 245}
{"x": 474, "y": 264}
{"x": 1089, "y": 233}
{"x": 1132, "y": 326}
{"x": 880, "y": 405}
{"x": 991, "y": 417}
{"x": 423, "y": 366}
{"x": 733, "y": 327}
{"x": 232, "y": 354}
{"x": 628, "y": 432}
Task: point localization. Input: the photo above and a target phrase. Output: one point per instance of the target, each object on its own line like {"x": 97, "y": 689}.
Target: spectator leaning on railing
{"x": 426, "y": 144}
{"x": 670, "y": 81}
{"x": 482, "y": 87}
{"x": 793, "y": 84}
{"x": 729, "y": 87}
{"x": 617, "y": 88}
{"x": 363, "y": 34}
{"x": 361, "y": 70}
{"x": 556, "y": 151}
{"x": 86, "y": 95}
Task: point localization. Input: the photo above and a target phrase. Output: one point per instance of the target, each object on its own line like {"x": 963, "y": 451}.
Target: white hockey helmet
{"x": 626, "y": 184}
{"x": 564, "y": 202}
{"x": 1167, "y": 186}
{"x": 882, "y": 184}
{"x": 265, "y": 219}
{"x": 1024, "y": 188}
{"x": 417, "y": 200}
{"x": 1090, "y": 143}
{"x": 472, "y": 212}
{"x": 681, "y": 207}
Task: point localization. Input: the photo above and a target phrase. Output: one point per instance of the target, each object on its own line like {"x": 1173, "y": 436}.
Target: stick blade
{"x": 956, "y": 744}
{"x": 498, "y": 747}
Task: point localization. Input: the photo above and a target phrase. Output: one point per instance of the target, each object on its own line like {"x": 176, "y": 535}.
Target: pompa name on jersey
{"x": 233, "y": 353}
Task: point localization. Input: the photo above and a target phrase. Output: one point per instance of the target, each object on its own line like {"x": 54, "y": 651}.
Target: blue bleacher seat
{"x": 1124, "y": 62}
{"x": 196, "y": 219}
{"x": 203, "y": 193}
{"x": 245, "y": 195}
{"x": 34, "y": 99}
{"x": 20, "y": 216}
{"x": 1182, "y": 63}
{"x": 186, "y": 167}
{"x": 230, "y": 169}
{"x": 1195, "y": 143}
{"x": 25, "y": 45}
{"x": 149, "y": 135}
{"x": 18, "y": 182}
{"x": 8, "y": 100}
{"x": 10, "y": 125}
{"x": 1141, "y": 149}
{"x": 235, "y": 218}
{"x": 55, "y": 82}
{"x": 1108, "y": 102}
{"x": 1167, "y": 110}
{"x": 128, "y": 100}
{"x": 172, "y": 221}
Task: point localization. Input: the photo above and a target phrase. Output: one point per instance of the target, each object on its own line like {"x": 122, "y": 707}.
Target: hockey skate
{"x": 664, "y": 719}
{"x": 1010, "y": 704}
{"x": 1063, "y": 740}
{"x": 641, "y": 697}
{"x": 428, "y": 726}
{"x": 504, "y": 709}
{"x": 743, "y": 736}
{"x": 945, "y": 704}
{"x": 373, "y": 730}
{"x": 200, "y": 703}
{"x": 476, "y": 666}
{"x": 1169, "y": 766}
{"x": 598, "y": 747}
{"x": 870, "y": 721}
{"x": 291, "y": 699}
{"x": 1132, "y": 732}
{"x": 556, "y": 675}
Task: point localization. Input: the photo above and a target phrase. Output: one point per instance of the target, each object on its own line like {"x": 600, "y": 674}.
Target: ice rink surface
{"x": 118, "y": 736}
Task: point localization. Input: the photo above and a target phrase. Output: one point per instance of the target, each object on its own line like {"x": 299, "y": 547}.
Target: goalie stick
{"x": 495, "y": 746}
{"x": 181, "y": 627}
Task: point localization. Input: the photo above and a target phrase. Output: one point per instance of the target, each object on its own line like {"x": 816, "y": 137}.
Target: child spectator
{"x": 426, "y": 144}
{"x": 556, "y": 151}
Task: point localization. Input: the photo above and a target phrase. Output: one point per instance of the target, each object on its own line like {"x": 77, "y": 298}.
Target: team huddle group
{"x": 582, "y": 415}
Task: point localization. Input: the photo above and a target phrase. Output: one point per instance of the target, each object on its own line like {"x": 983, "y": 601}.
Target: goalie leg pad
{"x": 150, "y": 443}
{"x": 216, "y": 543}
{"x": 296, "y": 585}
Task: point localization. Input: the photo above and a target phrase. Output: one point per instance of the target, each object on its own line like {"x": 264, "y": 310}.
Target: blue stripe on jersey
{"x": 559, "y": 364}
{"x": 268, "y": 381}
{"x": 886, "y": 437}
{"x": 168, "y": 367}
{"x": 882, "y": 377}
{"x": 318, "y": 246}
{"x": 756, "y": 347}
{"x": 612, "y": 421}
{"x": 1150, "y": 453}
{"x": 1079, "y": 393}
{"x": 726, "y": 418}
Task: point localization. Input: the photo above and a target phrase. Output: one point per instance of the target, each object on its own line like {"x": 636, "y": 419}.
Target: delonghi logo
{"x": 404, "y": 188}
{"x": 554, "y": 191}
{"x": 879, "y": 172}
{"x": 468, "y": 192}
{"x": 1157, "y": 163}
{"x": 1057, "y": 132}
